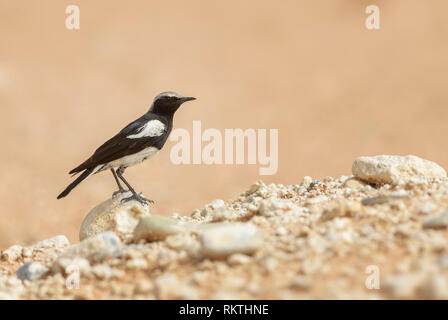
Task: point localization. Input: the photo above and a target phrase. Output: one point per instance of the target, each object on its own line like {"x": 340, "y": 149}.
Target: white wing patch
{"x": 153, "y": 128}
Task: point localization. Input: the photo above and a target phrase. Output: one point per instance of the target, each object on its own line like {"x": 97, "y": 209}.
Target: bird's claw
{"x": 118, "y": 192}
{"x": 145, "y": 199}
{"x": 138, "y": 197}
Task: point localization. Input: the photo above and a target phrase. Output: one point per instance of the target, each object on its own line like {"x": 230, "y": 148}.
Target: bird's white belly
{"x": 132, "y": 159}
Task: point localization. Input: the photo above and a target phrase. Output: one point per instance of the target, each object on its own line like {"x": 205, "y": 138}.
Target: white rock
{"x": 221, "y": 214}
{"x": 12, "y": 253}
{"x": 396, "y": 169}
{"x": 27, "y": 252}
{"x": 238, "y": 259}
{"x": 226, "y": 239}
{"x": 268, "y": 263}
{"x": 71, "y": 265}
{"x": 212, "y": 206}
{"x": 55, "y": 242}
{"x": 102, "y": 271}
{"x": 31, "y": 271}
{"x": 138, "y": 263}
{"x": 427, "y": 208}
{"x": 440, "y": 221}
{"x": 95, "y": 248}
{"x": 52, "y": 247}
{"x": 10, "y": 288}
{"x": 112, "y": 215}
{"x": 273, "y": 206}
{"x": 182, "y": 241}
{"x": 281, "y": 231}
{"x": 306, "y": 181}
{"x": 156, "y": 228}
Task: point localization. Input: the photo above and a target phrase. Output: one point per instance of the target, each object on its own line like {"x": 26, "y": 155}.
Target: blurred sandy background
{"x": 310, "y": 68}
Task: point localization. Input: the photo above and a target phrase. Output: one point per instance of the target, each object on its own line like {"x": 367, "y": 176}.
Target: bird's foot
{"x": 147, "y": 200}
{"x": 118, "y": 192}
{"x": 138, "y": 197}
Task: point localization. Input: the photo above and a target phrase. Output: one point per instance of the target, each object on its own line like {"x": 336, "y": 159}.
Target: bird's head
{"x": 168, "y": 102}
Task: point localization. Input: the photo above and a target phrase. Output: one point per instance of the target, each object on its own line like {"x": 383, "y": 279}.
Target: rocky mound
{"x": 380, "y": 233}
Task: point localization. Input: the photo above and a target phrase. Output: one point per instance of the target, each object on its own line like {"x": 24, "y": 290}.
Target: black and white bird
{"x": 138, "y": 141}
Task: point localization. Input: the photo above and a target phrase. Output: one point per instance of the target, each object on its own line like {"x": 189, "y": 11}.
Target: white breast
{"x": 133, "y": 159}
{"x": 153, "y": 128}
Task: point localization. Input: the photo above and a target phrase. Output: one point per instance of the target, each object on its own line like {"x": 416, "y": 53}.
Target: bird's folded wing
{"x": 119, "y": 146}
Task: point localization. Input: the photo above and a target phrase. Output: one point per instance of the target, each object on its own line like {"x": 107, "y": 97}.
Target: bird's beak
{"x": 185, "y": 99}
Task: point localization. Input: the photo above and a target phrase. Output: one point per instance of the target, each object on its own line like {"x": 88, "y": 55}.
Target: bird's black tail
{"x": 78, "y": 180}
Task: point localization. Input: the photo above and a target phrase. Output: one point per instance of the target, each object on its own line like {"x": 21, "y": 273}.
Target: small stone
{"x": 156, "y": 228}
{"x": 102, "y": 271}
{"x": 221, "y": 214}
{"x": 31, "y": 271}
{"x": 395, "y": 170}
{"x": 12, "y": 253}
{"x": 268, "y": 263}
{"x": 137, "y": 264}
{"x": 70, "y": 265}
{"x": 57, "y": 242}
{"x": 212, "y": 206}
{"x": 353, "y": 183}
{"x": 301, "y": 283}
{"x": 144, "y": 287}
{"x": 96, "y": 248}
{"x": 196, "y": 214}
{"x": 27, "y": 252}
{"x": 176, "y": 241}
{"x": 403, "y": 286}
{"x": 306, "y": 181}
{"x": 132, "y": 251}
{"x": 427, "y": 208}
{"x": 227, "y": 239}
{"x": 341, "y": 209}
{"x": 166, "y": 286}
{"x": 254, "y": 188}
{"x": 382, "y": 199}
{"x": 238, "y": 259}
{"x": 112, "y": 215}
{"x": 281, "y": 231}
{"x": 273, "y": 206}
{"x": 438, "y": 222}
{"x": 314, "y": 183}
{"x": 182, "y": 241}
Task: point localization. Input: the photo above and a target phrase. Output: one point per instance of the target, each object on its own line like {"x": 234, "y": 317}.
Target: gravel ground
{"x": 338, "y": 238}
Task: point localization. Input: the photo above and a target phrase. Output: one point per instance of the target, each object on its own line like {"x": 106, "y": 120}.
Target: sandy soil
{"x": 334, "y": 89}
{"x": 333, "y": 239}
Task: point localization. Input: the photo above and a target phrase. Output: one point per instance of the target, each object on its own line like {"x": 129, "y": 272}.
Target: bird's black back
{"x": 120, "y": 146}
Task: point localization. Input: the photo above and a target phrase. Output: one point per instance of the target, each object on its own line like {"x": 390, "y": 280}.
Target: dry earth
{"x": 314, "y": 239}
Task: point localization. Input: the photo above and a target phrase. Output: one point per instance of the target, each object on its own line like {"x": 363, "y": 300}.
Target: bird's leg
{"x": 135, "y": 195}
{"x": 120, "y": 188}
